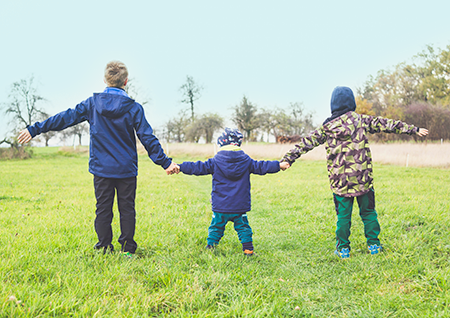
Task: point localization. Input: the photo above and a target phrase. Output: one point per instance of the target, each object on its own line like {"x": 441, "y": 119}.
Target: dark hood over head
{"x": 232, "y": 164}
{"x": 112, "y": 105}
{"x": 342, "y": 101}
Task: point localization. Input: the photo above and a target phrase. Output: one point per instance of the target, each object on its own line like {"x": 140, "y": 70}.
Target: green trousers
{"x": 220, "y": 220}
{"x": 344, "y": 206}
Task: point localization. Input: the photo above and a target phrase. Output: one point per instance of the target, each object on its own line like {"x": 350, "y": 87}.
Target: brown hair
{"x": 116, "y": 74}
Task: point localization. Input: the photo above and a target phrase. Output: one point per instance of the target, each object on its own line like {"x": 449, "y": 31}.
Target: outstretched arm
{"x": 198, "y": 168}
{"x": 263, "y": 167}
{"x": 306, "y": 144}
{"x": 387, "y": 125}
{"x": 58, "y": 122}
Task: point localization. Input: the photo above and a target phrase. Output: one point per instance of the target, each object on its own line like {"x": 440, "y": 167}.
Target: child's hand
{"x": 173, "y": 168}
{"x": 24, "y": 136}
{"x": 422, "y": 132}
{"x": 284, "y": 165}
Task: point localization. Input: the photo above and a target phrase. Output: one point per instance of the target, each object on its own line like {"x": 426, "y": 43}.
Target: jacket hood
{"x": 342, "y": 101}
{"x": 233, "y": 164}
{"x": 112, "y": 105}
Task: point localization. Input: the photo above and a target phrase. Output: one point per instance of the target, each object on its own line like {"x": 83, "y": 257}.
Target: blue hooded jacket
{"x": 342, "y": 101}
{"x": 230, "y": 171}
{"x": 113, "y": 118}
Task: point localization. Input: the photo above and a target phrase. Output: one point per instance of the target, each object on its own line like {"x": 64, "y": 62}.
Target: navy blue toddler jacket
{"x": 113, "y": 118}
{"x": 230, "y": 178}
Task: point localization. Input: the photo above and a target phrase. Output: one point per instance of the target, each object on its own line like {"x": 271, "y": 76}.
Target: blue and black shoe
{"x": 375, "y": 249}
{"x": 343, "y": 253}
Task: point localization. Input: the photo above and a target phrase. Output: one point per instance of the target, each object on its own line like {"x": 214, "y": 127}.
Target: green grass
{"x": 49, "y": 268}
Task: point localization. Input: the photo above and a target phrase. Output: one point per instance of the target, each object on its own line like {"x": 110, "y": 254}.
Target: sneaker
{"x": 249, "y": 253}
{"x": 128, "y": 255}
{"x": 209, "y": 247}
{"x": 375, "y": 249}
{"x": 343, "y": 253}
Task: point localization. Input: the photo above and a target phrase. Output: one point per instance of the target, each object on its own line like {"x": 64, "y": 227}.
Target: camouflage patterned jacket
{"x": 349, "y": 160}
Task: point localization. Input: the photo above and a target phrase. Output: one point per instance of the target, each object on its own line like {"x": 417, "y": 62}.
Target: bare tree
{"x": 76, "y": 131}
{"x": 135, "y": 92}
{"x": 50, "y": 134}
{"x": 209, "y": 124}
{"x": 191, "y": 92}
{"x": 176, "y": 128}
{"x": 23, "y": 103}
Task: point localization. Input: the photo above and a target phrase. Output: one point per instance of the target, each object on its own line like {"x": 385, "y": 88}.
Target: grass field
{"x": 49, "y": 268}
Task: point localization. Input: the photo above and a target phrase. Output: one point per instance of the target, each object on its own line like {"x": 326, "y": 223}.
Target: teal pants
{"x": 220, "y": 220}
{"x": 344, "y": 206}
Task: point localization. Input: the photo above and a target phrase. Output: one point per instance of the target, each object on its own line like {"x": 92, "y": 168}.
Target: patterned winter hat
{"x": 230, "y": 137}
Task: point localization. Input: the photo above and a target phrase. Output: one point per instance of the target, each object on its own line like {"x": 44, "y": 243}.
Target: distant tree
{"x": 301, "y": 122}
{"x": 193, "y": 131}
{"x": 77, "y": 131}
{"x": 48, "y": 135}
{"x": 135, "y": 92}
{"x": 176, "y": 128}
{"x": 291, "y": 121}
{"x": 281, "y": 123}
{"x": 363, "y": 106}
{"x": 246, "y": 118}
{"x": 265, "y": 118}
{"x": 24, "y": 104}
{"x": 209, "y": 123}
{"x": 435, "y": 118}
{"x": 426, "y": 80}
{"x": 191, "y": 92}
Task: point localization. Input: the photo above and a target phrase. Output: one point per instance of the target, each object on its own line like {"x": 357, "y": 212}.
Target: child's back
{"x": 230, "y": 195}
{"x": 114, "y": 120}
{"x": 349, "y": 163}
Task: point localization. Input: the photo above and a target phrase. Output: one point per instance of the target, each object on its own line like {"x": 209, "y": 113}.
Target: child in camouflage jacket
{"x": 349, "y": 164}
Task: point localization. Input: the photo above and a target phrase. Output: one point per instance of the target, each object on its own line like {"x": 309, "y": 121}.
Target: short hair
{"x": 116, "y": 74}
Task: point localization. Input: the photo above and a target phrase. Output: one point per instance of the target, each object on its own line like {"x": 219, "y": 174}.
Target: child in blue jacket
{"x": 230, "y": 196}
{"x": 114, "y": 119}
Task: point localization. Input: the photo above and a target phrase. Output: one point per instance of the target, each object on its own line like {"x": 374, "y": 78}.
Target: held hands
{"x": 422, "y": 132}
{"x": 173, "y": 168}
{"x": 24, "y": 136}
{"x": 284, "y": 165}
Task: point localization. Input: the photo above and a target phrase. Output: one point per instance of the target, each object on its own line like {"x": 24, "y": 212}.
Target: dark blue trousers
{"x": 105, "y": 189}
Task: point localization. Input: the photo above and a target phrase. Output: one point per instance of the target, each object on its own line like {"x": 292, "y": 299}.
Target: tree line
{"x": 257, "y": 124}
{"x": 416, "y": 92}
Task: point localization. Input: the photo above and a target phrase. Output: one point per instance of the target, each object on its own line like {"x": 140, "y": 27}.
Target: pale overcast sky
{"x": 274, "y": 52}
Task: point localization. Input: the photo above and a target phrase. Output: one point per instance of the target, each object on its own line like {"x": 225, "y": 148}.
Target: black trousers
{"x": 105, "y": 189}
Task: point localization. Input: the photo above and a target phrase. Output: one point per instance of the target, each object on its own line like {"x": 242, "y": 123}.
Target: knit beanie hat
{"x": 230, "y": 137}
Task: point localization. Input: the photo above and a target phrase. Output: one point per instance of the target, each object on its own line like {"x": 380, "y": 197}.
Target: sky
{"x": 273, "y": 52}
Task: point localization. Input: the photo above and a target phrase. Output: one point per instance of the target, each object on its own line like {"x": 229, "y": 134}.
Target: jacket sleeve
{"x": 198, "y": 168}
{"x": 145, "y": 134}
{"x": 62, "y": 120}
{"x": 263, "y": 167}
{"x": 380, "y": 124}
{"x": 306, "y": 144}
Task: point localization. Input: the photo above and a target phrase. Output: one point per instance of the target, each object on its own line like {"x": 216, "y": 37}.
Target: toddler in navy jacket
{"x": 230, "y": 195}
